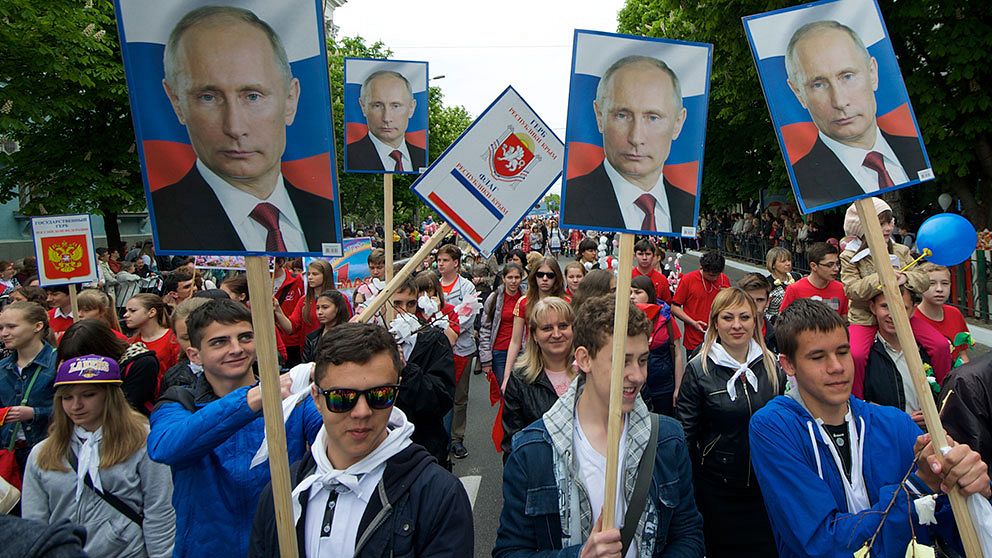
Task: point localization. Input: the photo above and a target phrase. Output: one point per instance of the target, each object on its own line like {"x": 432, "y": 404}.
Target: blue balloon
{"x": 950, "y": 238}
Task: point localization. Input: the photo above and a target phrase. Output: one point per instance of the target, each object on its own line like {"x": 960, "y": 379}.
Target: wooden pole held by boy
{"x": 387, "y": 233}
{"x": 263, "y": 321}
{"x": 625, "y": 258}
{"x": 890, "y": 287}
{"x": 407, "y": 270}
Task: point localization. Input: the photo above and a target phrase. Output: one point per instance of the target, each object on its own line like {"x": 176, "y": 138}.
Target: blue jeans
{"x": 499, "y": 364}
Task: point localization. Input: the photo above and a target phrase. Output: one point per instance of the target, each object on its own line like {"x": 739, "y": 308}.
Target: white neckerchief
{"x": 301, "y": 374}
{"x": 855, "y": 490}
{"x": 327, "y": 477}
{"x": 721, "y": 357}
{"x": 86, "y": 444}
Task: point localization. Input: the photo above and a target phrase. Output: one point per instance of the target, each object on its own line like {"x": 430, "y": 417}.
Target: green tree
{"x": 361, "y": 194}
{"x": 63, "y": 99}
{"x": 553, "y": 202}
{"x": 941, "y": 45}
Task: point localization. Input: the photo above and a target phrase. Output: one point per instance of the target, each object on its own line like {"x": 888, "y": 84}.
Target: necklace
{"x": 706, "y": 289}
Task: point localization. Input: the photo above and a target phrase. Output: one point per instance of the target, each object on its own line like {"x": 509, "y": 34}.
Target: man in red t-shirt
{"x": 944, "y": 317}
{"x": 821, "y": 283}
{"x": 60, "y": 315}
{"x": 644, "y": 257}
{"x": 694, "y": 297}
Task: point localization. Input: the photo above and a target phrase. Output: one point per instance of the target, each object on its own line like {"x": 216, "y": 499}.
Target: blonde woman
{"x": 93, "y": 469}
{"x": 778, "y": 262}
{"x": 544, "y": 370}
{"x": 732, "y": 377}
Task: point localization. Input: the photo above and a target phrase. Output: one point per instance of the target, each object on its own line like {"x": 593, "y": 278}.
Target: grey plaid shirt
{"x": 559, "y": 422}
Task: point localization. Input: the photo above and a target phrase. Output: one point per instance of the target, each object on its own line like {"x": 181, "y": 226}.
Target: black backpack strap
{"x": 115, "y": 502}
{"x": 642, "y": 486}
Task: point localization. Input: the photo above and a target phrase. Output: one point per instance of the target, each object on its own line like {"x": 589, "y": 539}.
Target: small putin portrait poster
{"x": 635, "y": 132}
{"x": 231, "y": 109}
{"x": 385, "y": 116}
{"x": 837, "y": 101}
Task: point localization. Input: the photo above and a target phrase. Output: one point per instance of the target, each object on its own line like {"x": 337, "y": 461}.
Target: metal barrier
{"x": 971, "y": 286}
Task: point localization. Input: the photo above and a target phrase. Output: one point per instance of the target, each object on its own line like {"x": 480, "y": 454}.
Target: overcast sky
{"x": 482, "y": 47}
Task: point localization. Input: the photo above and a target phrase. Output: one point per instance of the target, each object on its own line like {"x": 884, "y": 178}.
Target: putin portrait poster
{"x": 837, "y": 101}
{"x": 635, "y": 133}
{"x": 232, "y": 117}
{"x": 385, "y": 116}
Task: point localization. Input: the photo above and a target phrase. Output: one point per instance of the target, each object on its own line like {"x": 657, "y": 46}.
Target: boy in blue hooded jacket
{"x": 829, "y": 463}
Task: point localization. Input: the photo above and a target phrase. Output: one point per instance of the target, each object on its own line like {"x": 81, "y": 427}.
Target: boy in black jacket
{"x": 366, "y": 489}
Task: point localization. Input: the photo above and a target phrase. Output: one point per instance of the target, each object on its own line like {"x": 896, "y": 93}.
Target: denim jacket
{"x": 12, "y": 387}
{"x": 534, "y": 498}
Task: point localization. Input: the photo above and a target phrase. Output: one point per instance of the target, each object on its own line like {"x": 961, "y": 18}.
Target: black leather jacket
{"x": 716, "y": 428}
{"x": 523, "y": 404}
{"x": 309, "y": 353}
{"x": 966, "y": 406}
{"x": 883, "y": 384}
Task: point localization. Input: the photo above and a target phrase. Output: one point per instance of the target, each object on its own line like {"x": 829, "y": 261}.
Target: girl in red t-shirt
{"x": 95, "y": 304}
{"x": 545, "y": 280}
{"x": 147, "y": 315}
{"x": 320, "y": 277}
{"x": 945, "y": 318}
{"x": 665, "y": 360}
{"x": 574, "y": 272}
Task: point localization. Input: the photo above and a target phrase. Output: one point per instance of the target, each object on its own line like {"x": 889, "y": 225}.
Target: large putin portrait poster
{"x": 385, "y": 116}
{"x": 231, "y": 109}
{"x": 635, "y": 133}
{"x": 837, "y": 101}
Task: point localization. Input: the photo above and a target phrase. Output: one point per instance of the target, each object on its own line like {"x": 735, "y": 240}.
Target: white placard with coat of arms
{"x": 63, "y": 245}
{"x": 488, "y": 180}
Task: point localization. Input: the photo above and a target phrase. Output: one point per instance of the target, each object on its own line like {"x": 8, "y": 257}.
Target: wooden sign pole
{"x": 260, "y": 288}
{"x": 887, "y": 275}
{"x": 614, "y": 430}
{"x": 402, "y": 274}
{"x": 387, "y": 233}
{"x": 74, "y": 302}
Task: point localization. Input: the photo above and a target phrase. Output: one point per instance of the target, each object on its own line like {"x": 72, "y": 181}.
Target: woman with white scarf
{"x": 93, "y": 469}
{"x": 732, "y": 377}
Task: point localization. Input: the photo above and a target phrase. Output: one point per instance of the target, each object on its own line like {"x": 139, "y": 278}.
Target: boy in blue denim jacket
{"x": 553, "y": 481}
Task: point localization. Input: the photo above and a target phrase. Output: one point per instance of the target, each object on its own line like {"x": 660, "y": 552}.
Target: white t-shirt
{"x": 592, "y": 473}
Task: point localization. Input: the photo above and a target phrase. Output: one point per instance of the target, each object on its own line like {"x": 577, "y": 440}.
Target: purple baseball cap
{"x": 89, "y": 369}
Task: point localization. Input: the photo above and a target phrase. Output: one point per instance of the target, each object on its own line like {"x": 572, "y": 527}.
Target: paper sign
{"x": 488, "y": 180}
{"x": 63, "y": 245}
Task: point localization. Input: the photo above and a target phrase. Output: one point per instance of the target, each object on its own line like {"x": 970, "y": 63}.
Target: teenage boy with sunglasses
{"x": 209, "y": 432}
{"x": 829, "y": 464}
{"x": 365, "y": 489}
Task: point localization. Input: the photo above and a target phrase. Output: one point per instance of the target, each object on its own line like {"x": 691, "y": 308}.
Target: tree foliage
{"x": 361, "y": 194}
{"x": 941, "y": 45}
{"x": 63, "y": 98}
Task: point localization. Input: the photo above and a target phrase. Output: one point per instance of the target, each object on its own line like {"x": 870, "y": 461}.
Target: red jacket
{"x": 289, "y": 294}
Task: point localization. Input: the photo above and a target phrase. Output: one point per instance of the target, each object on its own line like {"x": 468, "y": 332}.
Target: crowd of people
{"x": 772, "y": 415}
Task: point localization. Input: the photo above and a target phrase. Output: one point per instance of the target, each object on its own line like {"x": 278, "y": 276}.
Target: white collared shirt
{"x": 348, "y": 512}
{"x": 853, "y": 159}
{"x": 899, "y": 358}
{"x": 384, "y": 150}
{"x": 60, "y": 314}
{"x": 627, "y": 193}
{"x": 239, "y": 204}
